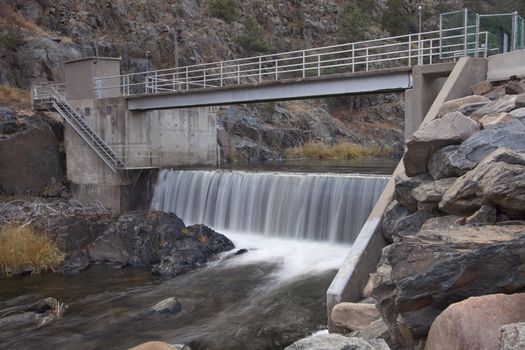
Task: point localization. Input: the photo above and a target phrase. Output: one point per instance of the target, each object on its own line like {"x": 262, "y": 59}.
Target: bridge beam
{"x": 396, "y": 79}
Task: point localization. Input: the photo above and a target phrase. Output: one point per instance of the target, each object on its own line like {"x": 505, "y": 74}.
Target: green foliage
{"x": 224, "y": 9}
{"x": 354, "y": 25}
{"x": 251, "y": 38}
{"x": 399, "y": 17}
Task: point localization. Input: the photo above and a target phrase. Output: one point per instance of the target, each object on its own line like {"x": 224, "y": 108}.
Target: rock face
{"x": 475, "y": 323}
{"x": 451, "y": 129}
{"x": 349, "y": 317}
{"x": 337, "y": 342}
{"x": 157, "y": 239}
{"x": 512, "y": 336}
{"x": 28, "y": 147}
{"x": 498, "y": 180}
{"x": 423, "y": 274}
{"x": 460, "y": 103}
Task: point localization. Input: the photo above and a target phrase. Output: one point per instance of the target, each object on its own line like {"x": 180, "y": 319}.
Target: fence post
{"x": 318, "y": 65}
{"x": 514, "y": 30}
{"x": 477, "y": 36}
{"x": 238, "y": 74}
{"x": 222, "y": 78}
{"x": 486, "y": 44}
{"x": 353, "y": 58}
{"x": 419, "y": 49}
{"x": 410, "y": 50}
{"x": 204, "y": 76}
{"x": 465, "y": 20}
{"x": 260, "y": 69}
{"x": 276, "y": 70}
{"x": 187, "y": 79}
{"x": 366, "y": 56}
{"x": 304, "y": 64}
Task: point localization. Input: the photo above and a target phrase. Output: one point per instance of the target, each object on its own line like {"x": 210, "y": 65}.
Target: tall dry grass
{"x": 23, "y": 249}
{"x": 345, "y": 150}
{"x": 15, "y": 97}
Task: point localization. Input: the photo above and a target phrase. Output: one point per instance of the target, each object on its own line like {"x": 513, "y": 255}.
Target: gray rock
{"x": 334, "y": 342}
{"x": 498, "y": 180}
{"x": 393, "y": 213}
{"x": 403, "y": 189}
{"x": 512, "y": 336}
{"x": 514, "y": 87}
{"x": 439, "y": 164}
{"x": 473, "y": 150}
{"x": 348, "y": 317}
{"x": 441, "y": 222}
{"x": 376, "y": 329}
{"x": 497, "y": 119}
{"x": 506, "y": 103}
{"x": 432, "y": 192}
{"x": 485, "y": 215}
{"x": 453, "y": 128}
{"x": 166, "y": 306}
{"x": 470, "y": 108}
{"x": 410, "y": 225}
{"x": 458, "y": 104}
{"x": 518, "y": 113}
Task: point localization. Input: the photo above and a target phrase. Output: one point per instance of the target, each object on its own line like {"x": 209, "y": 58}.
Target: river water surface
{"x": 264, "y": 299}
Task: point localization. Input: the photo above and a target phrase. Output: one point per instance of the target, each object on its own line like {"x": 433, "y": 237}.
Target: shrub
{"x": 24, "y": 249}
{"x": 224, "y": 9}
{"x": 251, "y": 38}
{"x": 354, "y": 25}
{"x": 344, "y": 150}
{"x": 11, "y": 36}
{"x": 14, "y": 97}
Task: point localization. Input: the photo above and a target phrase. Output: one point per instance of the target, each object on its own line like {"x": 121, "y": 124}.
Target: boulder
{"x": 349, "y": 317}
{"x": 432, "y": 192}
{"x": 376, "y": 329}
{"x": 439, "y": 164}
{"x": 337, "y": 342}
{"x": 499, "y": 180}
{"x": 514, "y": 87}
{"x": 474, "y": 323}
{"x": 512, "y": 336}
{"x": 403, "y": 189}
{"x": 457, "y": 104}
{"x": 422, "y": 275}
{"x": 485, "y": 215}
{"x": 495, "y": 119}
{"x": 506, "y": 103}
{"x": 393, "y": 213}
{"x": 411, "y": 224}
{"x": 154, "y": 345}
{"x": 453, "y": 128}
{"x": 476, "y": 148}
{"x": 518, "y": 113}
{"x": 482, "y": 88}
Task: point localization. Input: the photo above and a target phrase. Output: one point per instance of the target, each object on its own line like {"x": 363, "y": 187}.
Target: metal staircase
{"x": 78, "y": 123}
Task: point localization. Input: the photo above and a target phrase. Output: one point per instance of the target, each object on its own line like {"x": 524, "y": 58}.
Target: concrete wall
{"x": 503, "y": 66}
{"x": 366, "y": 250}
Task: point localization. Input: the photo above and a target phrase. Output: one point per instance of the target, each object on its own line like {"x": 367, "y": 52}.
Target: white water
{"x": 316, "y": 207}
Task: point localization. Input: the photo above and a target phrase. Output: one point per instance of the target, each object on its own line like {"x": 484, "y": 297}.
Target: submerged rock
{"x": 475, "y": 323}
{"x": 166, "y": 306}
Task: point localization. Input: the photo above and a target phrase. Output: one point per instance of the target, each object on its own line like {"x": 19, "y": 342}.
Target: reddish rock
{"x": 474, "y": 323}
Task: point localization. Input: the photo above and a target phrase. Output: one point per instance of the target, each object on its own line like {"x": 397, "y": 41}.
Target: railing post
{"x": 276, "y": 70}
{"x": 430, "y": 55}
{"x": 353, "y": 58}
{"x": 465, "y": 20}
{"x": 238, "y": 75}
{"x": 304, "y": 64}
{"x": 187, "y": 79}
{"x": 477, "y": 36}
{"x": 410, "y": 50}
{"x": 486, "y": 44}
{"x": 318, "y": 65}
{"x": 260, "y": 69}
{"x": 514, "y": 40}
{"x": 366, "y": 56}
{"x": 128, "y": 84}
{"x": 221, "y": 75}
{"x": 419, "y": 49}
{"x": 204, "y": 76}
{"x": 174, "y": 87}
{"x": 156, "y": 82}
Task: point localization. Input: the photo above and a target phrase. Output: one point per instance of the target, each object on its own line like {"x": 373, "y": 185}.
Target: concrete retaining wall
{"x": 366, "y": 250}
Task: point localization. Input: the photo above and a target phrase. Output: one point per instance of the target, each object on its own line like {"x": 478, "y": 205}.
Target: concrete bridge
{"x": 166, "y": 118}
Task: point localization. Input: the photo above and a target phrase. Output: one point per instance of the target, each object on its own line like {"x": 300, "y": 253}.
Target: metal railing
{"x": 363, "y": 56}
{"x": 43, "y": 92}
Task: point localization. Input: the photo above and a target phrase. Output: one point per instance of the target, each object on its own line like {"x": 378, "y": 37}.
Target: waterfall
{"x": 319, "y": 207}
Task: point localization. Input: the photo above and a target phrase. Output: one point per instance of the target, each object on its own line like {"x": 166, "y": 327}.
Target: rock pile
{"x": 457, "y": 230}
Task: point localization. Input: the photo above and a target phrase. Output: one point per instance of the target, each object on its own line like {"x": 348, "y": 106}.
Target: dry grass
{"x": 21, "y": 249}
{"x": 14, "y": 97}
{"x": 345, "y": 150}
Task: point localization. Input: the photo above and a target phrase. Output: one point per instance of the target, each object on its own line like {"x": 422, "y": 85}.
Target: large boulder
{"x": 475, "y": 323}
{"x": 394, "y": 212}
{"x": 499, "y": 180}
{"x": 512, "y": 336}
{"x": 429, "y": 194}
{"x": 349, "y": 317}
{"x": 411, "y": 224}
{"x": 439, "y": 164}
{"x": 496, "y": 119}
{"x": 506, "y": 103}
{"x": 403, "y": 189}
{"x": 462, "y": 103}
{"x": 453, "y": 128}
{"x": 422, "y": 275}
{"x": 337, "y": 342}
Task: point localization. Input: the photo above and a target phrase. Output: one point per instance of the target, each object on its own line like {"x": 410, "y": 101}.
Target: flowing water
{"x": 296, "y": 227}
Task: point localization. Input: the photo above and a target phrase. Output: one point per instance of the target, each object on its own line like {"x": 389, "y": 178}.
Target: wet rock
{"x": 506, "y": 103}
{"x": 241, "y": 251}
{"x": 19, "y": 321}
{"x": 336, "y": 342}
{"x": 403, "y": 189}
{"x": 166, "y": 306}
{"x": 419, "y": 277}
{"x": 474, "y": 323}
{"x": 498, "y": 180}
{"x": 439, "y": 164}
{"x": 453, "y": 128}
{"x": 512, "y": 336}
{"x": 348, "y": 317}
{"x": 393, "y": 213}
{"x": 485, "y": 215}
{"x": 411, "y": 224}
{"x": 457, "y": 104}
{"x": 198, "y": 243}
{"x": 476, "y": 148}
{"x": 37, "y": 314}
{"x": 432, "y": 192}
{"x": 496, "y": 119}
{"x": 514, "y": 87}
